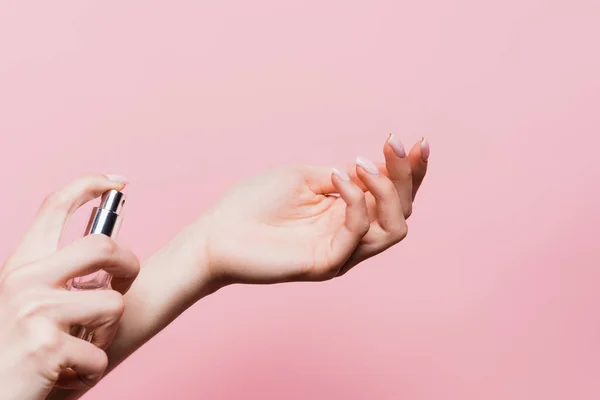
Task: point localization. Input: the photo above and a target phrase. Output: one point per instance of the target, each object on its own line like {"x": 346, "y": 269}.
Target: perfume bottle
{"x": 105, "y": 220}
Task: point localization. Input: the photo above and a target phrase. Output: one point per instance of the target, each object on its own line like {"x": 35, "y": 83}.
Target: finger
{"x": 399, "y": 171}
{"x": 86, "y": 362}
{"x": 318, "y": 178}
{"x": 87, "y": 255}
{"x": 98, "y": 310}
{"x": 418, "y": 156}
{"x": 356, "y": 221}
{"x": 99, "y": 322}
{"x": 43, "y": 236}
{"x": 387, "y": 203}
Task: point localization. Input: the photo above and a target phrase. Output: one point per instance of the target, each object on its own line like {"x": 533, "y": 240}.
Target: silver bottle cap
{"x": 106, "y": 219}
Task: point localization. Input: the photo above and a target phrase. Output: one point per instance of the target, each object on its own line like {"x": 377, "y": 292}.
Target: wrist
{"x": 189, "y": 257}
{"x": 173, "y": 279}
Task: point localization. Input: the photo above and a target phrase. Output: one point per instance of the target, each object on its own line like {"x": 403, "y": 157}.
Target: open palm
{"x": 313, "y": 223}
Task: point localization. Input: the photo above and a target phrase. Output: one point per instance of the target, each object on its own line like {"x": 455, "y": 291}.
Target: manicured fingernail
{"x": 117, "y": 178}
{"x": 341, "y": 174}
{"x": 367, "y": 165}
{"x": 424, "y": 149}
{"x": 397, "y": 145}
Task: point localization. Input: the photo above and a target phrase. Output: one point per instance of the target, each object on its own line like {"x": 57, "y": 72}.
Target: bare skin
{"x": 303, "y": 223}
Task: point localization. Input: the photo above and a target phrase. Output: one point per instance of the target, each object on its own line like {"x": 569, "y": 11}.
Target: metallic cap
{"x": 105, "y": 219}
{"x": 113, "y": 200}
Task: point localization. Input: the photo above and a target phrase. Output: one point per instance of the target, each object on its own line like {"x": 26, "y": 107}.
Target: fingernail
{"x": 424, "y": 149}
{"x": 367, "y": 165}
{"x": 341, "y": 174}
{"x": 91, "y": 378}
{"x": 397, "y": 145}
{"x": 117, "y": 178}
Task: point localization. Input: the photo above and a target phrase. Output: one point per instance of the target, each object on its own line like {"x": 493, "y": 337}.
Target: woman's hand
{"x": 285, "y": 225}
{"x": 37, "y": 310}
{"x": 301, "y": 223}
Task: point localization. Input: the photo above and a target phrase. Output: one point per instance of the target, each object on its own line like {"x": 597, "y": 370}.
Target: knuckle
{"x": 363, "y": 227}
{"x": 43, "y": 339}
{"x": 104, "y": 247}
{"x": 101, "y": 361}
{"x": 403, "y": 176}
{"x": 16, "y": 281}
{"x": 356, "y": 196}
{"x": 407, "y": 210}
{"x": 88, "y": 180}
{"x": 89, "y": 183}
{"x": 114, "y": 303}
{"x": 136, "y": 266}
{"x": 56, "y": 201}
{"x": 65, "y": 198}
{"x": 388, "y": 187}
{"x": 12, "y": 279}
{"x": 400, "y": 232}
{"x": 50, "y": 344}
{"x": 31, "y": 307}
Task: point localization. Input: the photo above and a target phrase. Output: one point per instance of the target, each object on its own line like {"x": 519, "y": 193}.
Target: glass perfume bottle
{"x": 105, "y": 220}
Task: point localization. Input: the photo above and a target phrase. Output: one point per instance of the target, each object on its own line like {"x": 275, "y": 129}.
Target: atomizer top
{"x": 112, "y": 200}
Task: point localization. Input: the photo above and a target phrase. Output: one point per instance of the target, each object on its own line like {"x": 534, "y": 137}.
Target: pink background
{"x": 494, "y": 294}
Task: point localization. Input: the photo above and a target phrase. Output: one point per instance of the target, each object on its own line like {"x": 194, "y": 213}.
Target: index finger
{"x": 43, "y": 236}
{"x": 87, "y": 255}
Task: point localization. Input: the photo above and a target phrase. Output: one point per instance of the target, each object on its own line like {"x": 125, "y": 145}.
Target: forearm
{"x": 170, "y": 281}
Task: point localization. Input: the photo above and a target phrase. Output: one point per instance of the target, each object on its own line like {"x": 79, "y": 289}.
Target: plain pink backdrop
{"x": 495, "y": 292}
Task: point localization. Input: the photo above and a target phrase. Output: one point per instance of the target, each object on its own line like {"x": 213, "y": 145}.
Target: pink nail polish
{"x": 397, "y": 145}
{"x": 341, "y": 174}
{"x": 367, "y": 165}
{"x": 424, "y": 149}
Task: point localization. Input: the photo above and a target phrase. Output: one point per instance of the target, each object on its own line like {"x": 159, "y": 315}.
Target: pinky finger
{"x": 83, "y": 364}
{"x": 418, "y": 157}
{"x": 356, "y": 223}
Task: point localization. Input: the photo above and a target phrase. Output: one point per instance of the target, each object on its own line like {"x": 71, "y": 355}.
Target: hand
{"x": 300, "y": 223}
{"x": 37, "y": 310}
{"x": 285, "y": 225}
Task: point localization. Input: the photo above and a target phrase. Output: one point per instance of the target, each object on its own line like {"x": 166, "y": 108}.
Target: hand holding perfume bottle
{"x": 105, "y": 220}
